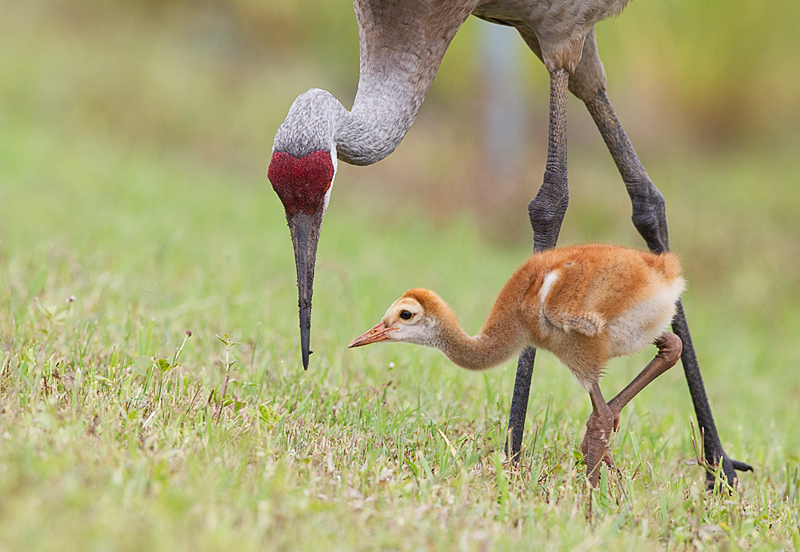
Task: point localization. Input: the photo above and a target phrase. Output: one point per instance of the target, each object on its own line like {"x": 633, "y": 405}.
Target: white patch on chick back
{"x": 547, "y": 283}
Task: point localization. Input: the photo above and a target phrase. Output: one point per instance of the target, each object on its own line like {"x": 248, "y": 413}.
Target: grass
{"x": 134, "y": 209}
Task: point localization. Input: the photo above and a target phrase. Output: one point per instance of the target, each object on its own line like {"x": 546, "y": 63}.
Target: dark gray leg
{"x": 649, "y": 214}
{"x": 547, "y": 209}
{"x": 546, "y": 212}
{"x": 519, "y": 403}
{"x": 650, "y": 220}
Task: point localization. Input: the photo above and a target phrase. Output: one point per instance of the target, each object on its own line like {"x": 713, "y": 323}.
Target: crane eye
{"x": 405, "y": 315}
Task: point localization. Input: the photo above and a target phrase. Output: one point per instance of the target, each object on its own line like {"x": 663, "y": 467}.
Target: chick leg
{"x": 598, "y": 430}
{"x": 669, "y": 351}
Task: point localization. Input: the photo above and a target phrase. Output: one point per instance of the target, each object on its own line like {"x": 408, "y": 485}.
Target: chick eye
{"x": 405, "y": 315}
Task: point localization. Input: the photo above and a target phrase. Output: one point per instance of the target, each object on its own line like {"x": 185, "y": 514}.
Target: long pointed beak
{"x": 379, "y": 332}
{"x": 305, "y": 236}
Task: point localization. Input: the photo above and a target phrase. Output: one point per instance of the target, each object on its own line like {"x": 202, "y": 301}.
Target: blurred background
{"x": 112, "y": 109}
{"x": 692, "y": 82}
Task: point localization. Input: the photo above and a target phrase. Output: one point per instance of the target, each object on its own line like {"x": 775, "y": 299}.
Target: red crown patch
{"x": 301, "y": 183}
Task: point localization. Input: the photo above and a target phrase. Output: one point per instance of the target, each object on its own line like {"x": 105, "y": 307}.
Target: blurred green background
{"x": 694, "y": 84}
{"x": 134, "y": 143}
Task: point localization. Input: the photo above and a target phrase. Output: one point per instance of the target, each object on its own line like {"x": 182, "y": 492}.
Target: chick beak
{"x": 379, "y": 332}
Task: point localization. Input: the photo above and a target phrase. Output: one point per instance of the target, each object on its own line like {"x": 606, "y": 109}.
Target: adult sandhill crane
{"x": 402, "y": 43}
{"x": 585, "y": 304}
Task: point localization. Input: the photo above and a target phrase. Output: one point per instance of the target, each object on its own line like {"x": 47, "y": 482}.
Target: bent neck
{"x": 500, "y": 338}
{"x": 383, "y": 111}
{"x": 381, "y": 117}
{"x": 402, "y": 45}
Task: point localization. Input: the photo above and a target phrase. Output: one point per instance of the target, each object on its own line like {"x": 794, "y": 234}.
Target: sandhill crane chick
{"x": 585, "y": 304}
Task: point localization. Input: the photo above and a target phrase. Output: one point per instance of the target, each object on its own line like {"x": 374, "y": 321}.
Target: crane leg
{"x": 546, "y": 212}
{"x": 649, "y": 217}
{"x": 519, "y": 403}
{"x": 547, "y": 209}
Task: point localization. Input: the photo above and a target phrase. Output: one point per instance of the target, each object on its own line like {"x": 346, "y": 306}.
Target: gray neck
{"x": 383, "y": 111}
{"x": 402, "y": 45}
{"x": 310, "y": 124}
{"x": 382, "y": 114}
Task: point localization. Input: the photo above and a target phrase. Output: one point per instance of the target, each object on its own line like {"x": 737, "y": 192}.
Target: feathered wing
{"x": 563, "y": 300}
{"x": 588, "y": 323}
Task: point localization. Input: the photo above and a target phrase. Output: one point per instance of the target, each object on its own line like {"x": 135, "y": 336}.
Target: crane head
{"x": 304, "y": 185}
